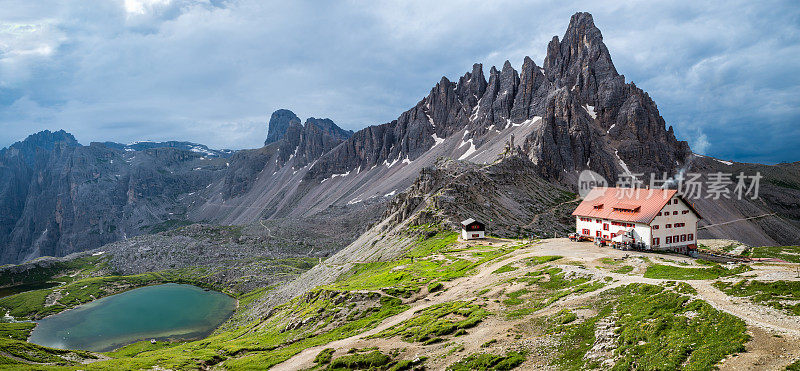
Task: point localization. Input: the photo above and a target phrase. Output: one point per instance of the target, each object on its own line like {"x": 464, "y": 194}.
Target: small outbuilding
{"x": 472, "y": 229}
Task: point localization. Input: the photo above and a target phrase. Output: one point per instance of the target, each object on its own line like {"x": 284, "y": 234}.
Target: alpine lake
{"x": 168, "y": 311}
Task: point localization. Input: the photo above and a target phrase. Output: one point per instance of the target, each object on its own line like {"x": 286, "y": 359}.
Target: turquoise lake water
{"x": 169, "y": 311}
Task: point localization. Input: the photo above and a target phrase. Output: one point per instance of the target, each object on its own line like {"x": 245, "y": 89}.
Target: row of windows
{"x": 673, "y": 202}
{"x": 674, "y": 239}
{"x": 679, "y": 238}
{"x": 586, "y": 232}
{"x": 689, "y": 237}
{"x": 676, "y": 225}
{"x": 621, "y": 224}
{"x": 666, "y": 213}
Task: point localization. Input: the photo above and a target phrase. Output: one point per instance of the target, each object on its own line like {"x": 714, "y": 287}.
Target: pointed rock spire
{"x": 471, "y": 86}
{"x": 581, "y": 58}
{"x": 531, "y": 78}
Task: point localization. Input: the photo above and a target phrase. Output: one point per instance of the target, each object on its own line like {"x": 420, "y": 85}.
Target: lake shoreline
{"x": 190, "y": 333}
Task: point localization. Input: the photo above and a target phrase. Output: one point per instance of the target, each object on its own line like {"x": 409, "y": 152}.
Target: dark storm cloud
{"x": 723, "y": 73}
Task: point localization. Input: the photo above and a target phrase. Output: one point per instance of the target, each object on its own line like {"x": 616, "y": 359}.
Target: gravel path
{"x": 754, "y": 314}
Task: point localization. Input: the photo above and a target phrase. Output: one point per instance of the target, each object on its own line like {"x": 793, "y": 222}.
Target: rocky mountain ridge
{"x": 590, "y": 118}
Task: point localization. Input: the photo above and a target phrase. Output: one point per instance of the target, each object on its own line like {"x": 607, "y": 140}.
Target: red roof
{"x": 626, "y": 204}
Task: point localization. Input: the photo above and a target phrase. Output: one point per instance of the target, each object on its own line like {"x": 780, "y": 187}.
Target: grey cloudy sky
{"x": 724, "y": 73}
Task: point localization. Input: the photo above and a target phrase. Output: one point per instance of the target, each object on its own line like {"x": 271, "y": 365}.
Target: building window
{"x": 685, "y": 212}
{"x": 675, "y": 212}
{"x": 605, "y": 227}
{"x": 613, "y": 235}
{"x": 668, "y": 240}
{"x": 668, "y": 226}
{"x": 691, "y": 237}
{"x": 655, "y": 227}
{"x": 598, "y": 233}
{"x": 585, "y": 232}
{"x": 675, "y": 201}
{"x": 656, "y": 241}
{"x": 683, "y": 238}
{"x": 659, "y": 214}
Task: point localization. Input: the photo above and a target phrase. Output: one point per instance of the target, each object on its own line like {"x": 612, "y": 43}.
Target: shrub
{"x": 324, "y": 356}
{"x": 371, "y": 360}
{"x": 435, "y": 286}
{"x": 484, "y": 361}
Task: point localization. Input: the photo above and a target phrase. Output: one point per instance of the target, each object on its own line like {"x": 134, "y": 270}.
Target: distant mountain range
{"x": 573, "y": 113}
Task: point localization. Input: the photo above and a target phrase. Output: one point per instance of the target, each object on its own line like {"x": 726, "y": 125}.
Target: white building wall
{"x": 641, "y": 232}
{"x": 465, "y": 235}
{"x": 669, "y": 217}
{"x": 581, "y": 225}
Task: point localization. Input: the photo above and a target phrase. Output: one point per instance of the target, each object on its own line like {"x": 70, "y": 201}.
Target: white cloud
{"x": 143, "y": 6}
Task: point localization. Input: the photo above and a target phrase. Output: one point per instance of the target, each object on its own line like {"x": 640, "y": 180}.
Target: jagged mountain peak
{"x": 590, "y": 117}
{"x": 47, "y": 138}
{"x": 44, "y": 140}
{"x": 580, "y": 57}
{"x": 279, "y": 122}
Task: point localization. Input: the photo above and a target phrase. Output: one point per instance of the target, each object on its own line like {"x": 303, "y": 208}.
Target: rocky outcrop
{"x": 317, "y": 137}
{"x": 509, "y": 197}
{"x": 279, "y": 122}
{"x": 575, "y": 112}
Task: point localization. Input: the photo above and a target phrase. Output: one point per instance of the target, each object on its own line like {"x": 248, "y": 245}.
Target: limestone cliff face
{"x": 59, "y": 197}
